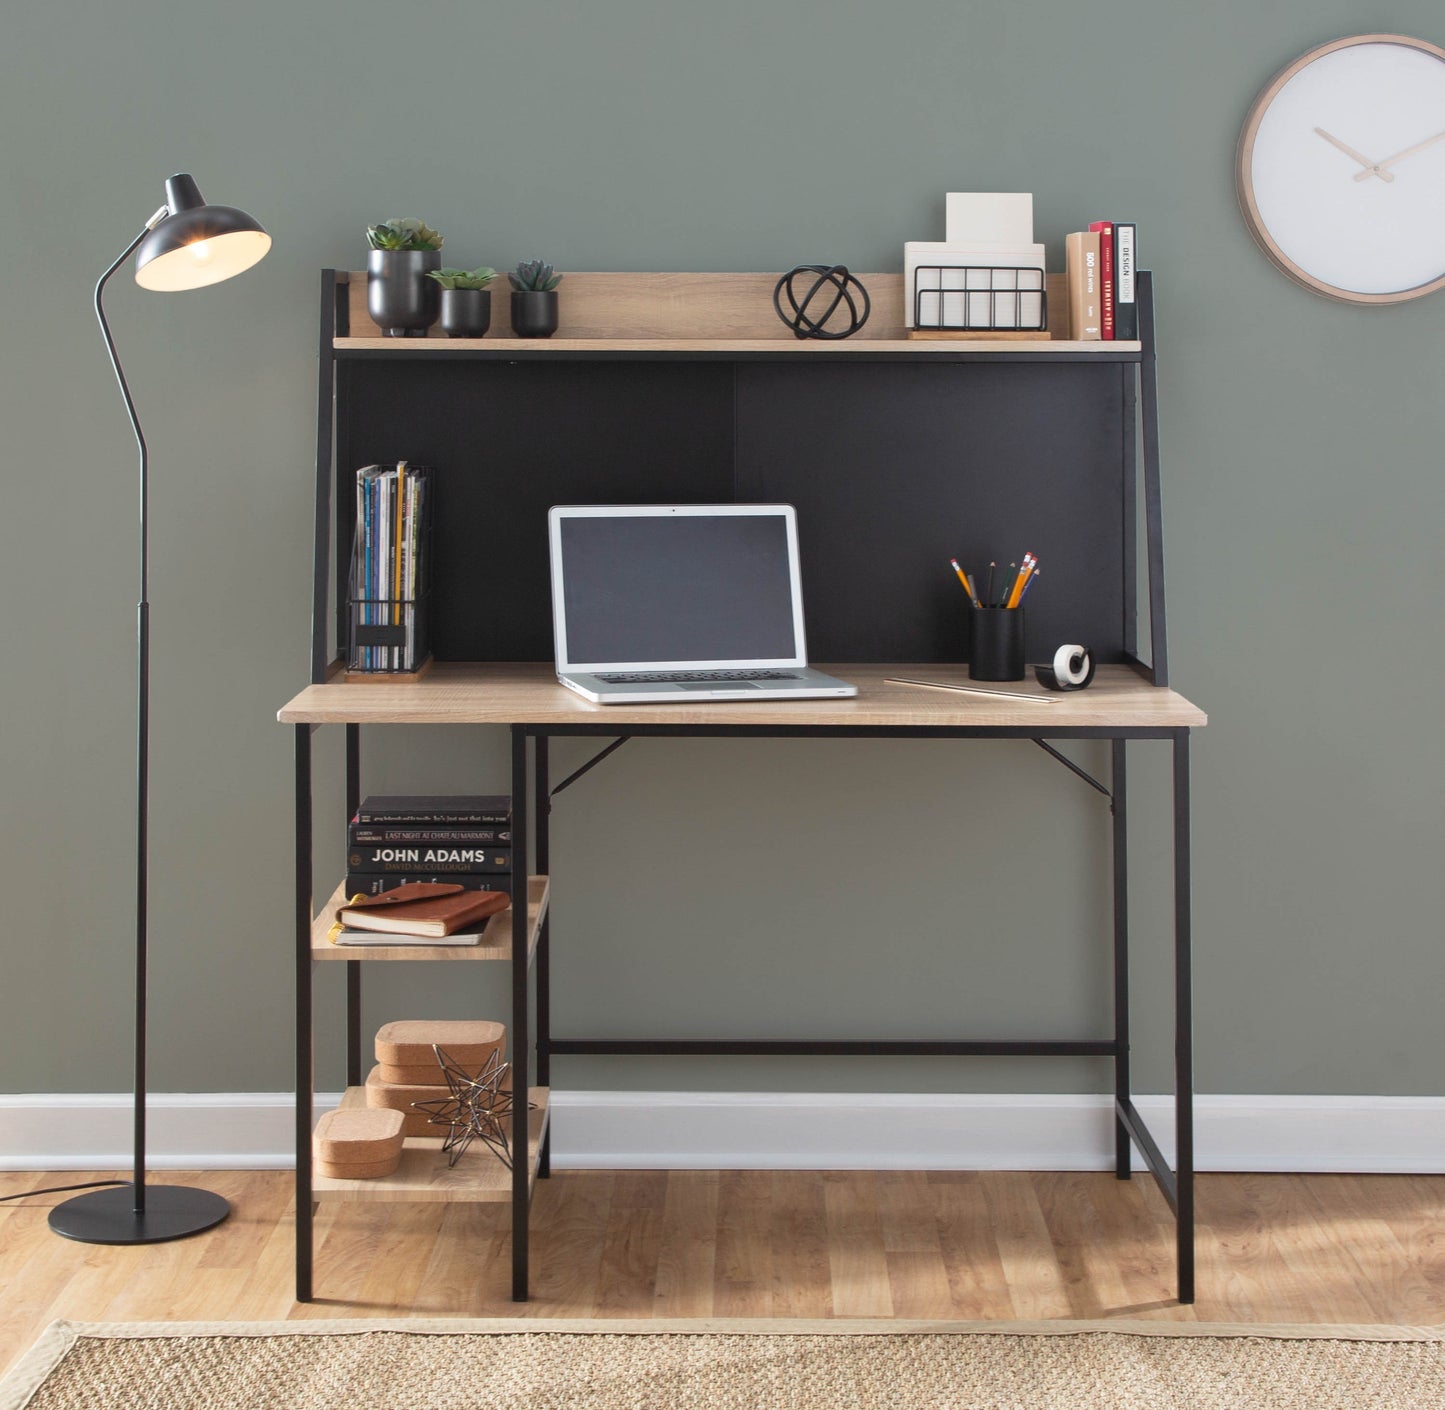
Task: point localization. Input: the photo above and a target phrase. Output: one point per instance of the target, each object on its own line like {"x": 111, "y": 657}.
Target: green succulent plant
{"x": 403, "y": 233}
{"x": 532, "y": 276}
{"x": 463, "y": 279}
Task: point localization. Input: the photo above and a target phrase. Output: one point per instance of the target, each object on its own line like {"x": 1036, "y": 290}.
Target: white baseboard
{"x": 773, "y": 1131}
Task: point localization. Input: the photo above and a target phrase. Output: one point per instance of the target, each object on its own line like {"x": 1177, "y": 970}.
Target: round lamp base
{"x": 109, "y": 1217}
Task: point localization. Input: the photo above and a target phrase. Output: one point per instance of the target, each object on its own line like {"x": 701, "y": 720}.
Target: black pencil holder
{"x": 996, "y": 652}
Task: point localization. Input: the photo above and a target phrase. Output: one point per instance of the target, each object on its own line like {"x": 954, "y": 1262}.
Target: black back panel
{"x": 896, "y": 468}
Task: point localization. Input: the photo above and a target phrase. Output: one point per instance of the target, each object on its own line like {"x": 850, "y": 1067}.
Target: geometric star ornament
{"x": 474, "y": 1108}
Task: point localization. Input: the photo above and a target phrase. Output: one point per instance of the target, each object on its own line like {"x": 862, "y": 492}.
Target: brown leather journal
{"x": 423, "y": 908}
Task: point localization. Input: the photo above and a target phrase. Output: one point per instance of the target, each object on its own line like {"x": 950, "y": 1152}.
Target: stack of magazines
{"x": 389, "y": 568}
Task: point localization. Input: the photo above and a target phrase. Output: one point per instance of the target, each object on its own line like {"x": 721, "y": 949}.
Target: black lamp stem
{"x": 142, "y": 748}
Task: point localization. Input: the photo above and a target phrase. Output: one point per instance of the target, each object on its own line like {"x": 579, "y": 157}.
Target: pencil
{"x": 1017, "y": 590}
{"x": 963, "y": 578}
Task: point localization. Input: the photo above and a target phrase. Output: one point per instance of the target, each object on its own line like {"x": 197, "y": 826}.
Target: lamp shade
{"x": 197, "y": 244}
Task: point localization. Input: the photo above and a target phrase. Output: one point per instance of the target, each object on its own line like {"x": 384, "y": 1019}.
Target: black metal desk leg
{"x": 305, "y": 1075}
{"x": 520, "y": 967}
{"x": 542, "y": 793}
{"x": 1183, "y": 1021}
{"x": 1123, "y": 1149}
{"x": 353, "y": 967}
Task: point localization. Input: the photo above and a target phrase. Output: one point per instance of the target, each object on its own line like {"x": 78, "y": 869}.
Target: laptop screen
{"x": 675, "y": 585}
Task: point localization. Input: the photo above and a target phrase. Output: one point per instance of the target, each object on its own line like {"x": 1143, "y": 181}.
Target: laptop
{"x": 676, "y": 602}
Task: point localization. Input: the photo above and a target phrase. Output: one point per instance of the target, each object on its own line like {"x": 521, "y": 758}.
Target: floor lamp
{"x": 186, "y": 244}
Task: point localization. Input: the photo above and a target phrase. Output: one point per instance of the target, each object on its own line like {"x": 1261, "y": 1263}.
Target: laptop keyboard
{"x": 629, "y": 677}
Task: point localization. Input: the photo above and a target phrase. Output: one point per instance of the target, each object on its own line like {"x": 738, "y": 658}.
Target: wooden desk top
{"x": 528, "y": 693}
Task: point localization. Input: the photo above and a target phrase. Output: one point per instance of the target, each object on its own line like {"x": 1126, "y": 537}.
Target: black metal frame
{"x": 532, "y": 791}
{"x": 530, "y": 786}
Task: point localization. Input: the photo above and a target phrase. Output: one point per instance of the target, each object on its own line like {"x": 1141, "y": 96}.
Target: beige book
{"x": 1086, "y": 303}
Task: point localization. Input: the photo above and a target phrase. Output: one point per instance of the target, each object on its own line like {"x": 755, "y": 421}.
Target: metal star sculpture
{"x": 474, "y": 1108}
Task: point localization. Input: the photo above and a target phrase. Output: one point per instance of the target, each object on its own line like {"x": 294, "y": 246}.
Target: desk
{"x": 1120, "y": 706}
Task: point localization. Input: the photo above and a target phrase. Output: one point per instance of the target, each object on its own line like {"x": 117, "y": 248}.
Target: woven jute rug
{"x": 716, "y": 1365}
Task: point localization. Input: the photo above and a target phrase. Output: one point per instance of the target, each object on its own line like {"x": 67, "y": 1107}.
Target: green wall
{"x": 720, "y": 886}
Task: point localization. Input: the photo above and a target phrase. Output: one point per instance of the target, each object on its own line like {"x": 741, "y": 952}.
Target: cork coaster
{"x": 358, "y": 1134}
{"x": 358, "y": 1169}
{"x": 407, "y": 1043}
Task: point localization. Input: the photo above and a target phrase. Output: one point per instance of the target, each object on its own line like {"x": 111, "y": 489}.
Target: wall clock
{"x": 1341, "y": 169}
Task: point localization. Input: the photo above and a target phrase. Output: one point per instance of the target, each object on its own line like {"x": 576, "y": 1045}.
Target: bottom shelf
{"x": 423, "y": 1175}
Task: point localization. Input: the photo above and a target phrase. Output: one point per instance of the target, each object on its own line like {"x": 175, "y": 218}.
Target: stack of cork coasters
{"x": 358, "y": 1144}
{"x": 407, "y": 1069}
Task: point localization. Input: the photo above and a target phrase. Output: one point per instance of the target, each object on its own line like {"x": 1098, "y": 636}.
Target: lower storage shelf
{"x": 423, "y": 1175}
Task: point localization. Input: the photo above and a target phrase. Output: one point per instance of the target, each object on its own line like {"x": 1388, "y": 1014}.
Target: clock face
{"x": 1342, "y": 169}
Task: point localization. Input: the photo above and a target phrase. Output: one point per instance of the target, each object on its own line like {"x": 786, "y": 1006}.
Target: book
{"x": 387, "y": 568}
{"x": 373, "y": 835}
{"x": 1126, "y": 266}
{"x": 436, "y": 809}
{"x": 346, "y": 935}
{"x": 433, "y": 857}
{"x": 1081, "y": 256}
{"x": 1105, "y": 231}
{"x": 423, "y": 910}
{"x": 373, "y": 883}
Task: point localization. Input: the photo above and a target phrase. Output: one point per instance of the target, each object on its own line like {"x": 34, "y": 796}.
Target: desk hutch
{"x": 686, "y": 388}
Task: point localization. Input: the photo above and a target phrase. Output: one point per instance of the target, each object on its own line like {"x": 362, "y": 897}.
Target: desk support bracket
{"x": 590, "y": 764}
{"x": 1074, "y": 768}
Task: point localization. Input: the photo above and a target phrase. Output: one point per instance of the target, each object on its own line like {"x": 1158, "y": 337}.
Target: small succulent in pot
{"x": 531, "y": 276}
{"x": 403, "y": 233}
{"x": 463, "y": 278}
{"x": 402, "y": 302}
{"x": 466, "y": 300}
{"x": 534, "y": 299}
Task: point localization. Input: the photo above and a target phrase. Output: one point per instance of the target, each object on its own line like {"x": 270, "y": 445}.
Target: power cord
{"x": 63, "y": 1189}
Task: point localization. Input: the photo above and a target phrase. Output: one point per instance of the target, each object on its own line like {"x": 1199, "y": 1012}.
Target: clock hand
{"x": 1398, "y": 157}
{"x": 1370, "y": 168}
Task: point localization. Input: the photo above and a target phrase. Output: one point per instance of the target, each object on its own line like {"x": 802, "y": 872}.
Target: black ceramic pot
{"x": 401, "y": 300}
{"x": 466, "y": 313}
{"x": 534, "y": 313}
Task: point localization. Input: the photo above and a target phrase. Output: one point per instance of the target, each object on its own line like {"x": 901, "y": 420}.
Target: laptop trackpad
{"x": 718, "y": 685}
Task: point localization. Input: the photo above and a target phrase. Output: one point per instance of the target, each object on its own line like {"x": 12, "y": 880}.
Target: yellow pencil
{"x": 1026, "y": 569}
{"x": 963, "y": 578}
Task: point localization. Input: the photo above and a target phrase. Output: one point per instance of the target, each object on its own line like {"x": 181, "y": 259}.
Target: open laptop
{"x": 680, "y": 602}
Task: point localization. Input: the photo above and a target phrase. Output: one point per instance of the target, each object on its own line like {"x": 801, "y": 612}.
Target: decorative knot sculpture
{"x": 806, "y": 321}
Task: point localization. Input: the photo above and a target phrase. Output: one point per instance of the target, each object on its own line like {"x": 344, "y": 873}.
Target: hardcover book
{"x": 1081, "y": 253}
{"x": 372, "y": 883}
{"x": 373, "y": 835}
{"x": 1104, "y": 229}
{"x": 421, "y": 909}
{"x": 1126, "y": 266}
{"x": 436, "y": 809}
{"x": 431, "y": 857}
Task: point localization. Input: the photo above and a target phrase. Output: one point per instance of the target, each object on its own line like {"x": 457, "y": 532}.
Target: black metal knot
{"x": 829, "y": 276}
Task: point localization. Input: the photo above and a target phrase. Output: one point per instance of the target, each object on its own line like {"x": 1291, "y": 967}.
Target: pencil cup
{"x": 997, "y": 650}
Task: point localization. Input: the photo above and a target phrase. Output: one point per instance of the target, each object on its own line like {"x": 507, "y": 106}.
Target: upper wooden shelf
{"x": 705, "y": 315}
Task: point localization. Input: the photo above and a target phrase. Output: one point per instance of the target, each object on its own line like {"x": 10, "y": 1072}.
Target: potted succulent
{"x": 466, "y": 300}
{"x": 402, "y": 302}
{"x": 534, "y": 299}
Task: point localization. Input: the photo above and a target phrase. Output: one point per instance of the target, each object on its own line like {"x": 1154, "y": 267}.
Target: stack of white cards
{"x": 987, "y": 274}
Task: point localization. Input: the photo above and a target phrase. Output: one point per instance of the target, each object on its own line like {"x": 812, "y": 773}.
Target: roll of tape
{"x": 1072, "y": 669}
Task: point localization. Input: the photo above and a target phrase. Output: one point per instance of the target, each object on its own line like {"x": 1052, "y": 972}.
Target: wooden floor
{"x": 1272, "y": 1248}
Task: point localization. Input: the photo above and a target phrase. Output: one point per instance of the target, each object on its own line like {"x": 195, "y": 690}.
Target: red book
{"x": 1105, "y": 229}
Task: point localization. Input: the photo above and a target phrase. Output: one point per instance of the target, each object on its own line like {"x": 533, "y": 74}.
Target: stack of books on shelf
{"x": 389, "y": 567}
{"x": 465, "y": 839}
{"x": 1101, "y": 263}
